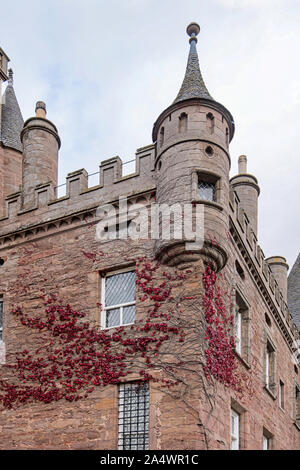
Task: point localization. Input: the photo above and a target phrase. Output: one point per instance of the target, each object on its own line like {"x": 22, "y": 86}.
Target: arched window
{"x": 161, "y": 136}
{"x": 210, "y": 122}
{"x": 182, "y": 127}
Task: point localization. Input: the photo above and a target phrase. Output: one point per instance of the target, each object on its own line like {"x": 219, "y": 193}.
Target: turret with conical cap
{"x": 11, "y": 123}
{"x": 192, "y": 161}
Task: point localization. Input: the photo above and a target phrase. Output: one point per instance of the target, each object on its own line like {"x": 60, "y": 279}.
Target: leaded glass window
{"x": 133, "y": 416}
{"x": 206, "y": 190}
{"x": 118, "y": 299}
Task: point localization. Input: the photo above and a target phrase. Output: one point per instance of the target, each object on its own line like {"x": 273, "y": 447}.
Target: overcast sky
{"x": 106, "y": 70}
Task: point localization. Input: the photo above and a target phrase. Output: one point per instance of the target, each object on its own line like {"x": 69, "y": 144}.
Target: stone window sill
{"x": 214, "y": 204}
{"x": 242, "y": 360}
{"x": 272, "y": 394}
{"x": 297, "y": 424}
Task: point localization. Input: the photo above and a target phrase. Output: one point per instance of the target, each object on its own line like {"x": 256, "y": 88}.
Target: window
{"x": 206, "y": 190}
{"x": 1, "y": 319}
{"x": 118, "y": 299}
{"x": 227, "y": 137}
{"x": 133, "y": 417}
{"x": 234, "y": 430}
{"x": 281, "y": 394}
{"x": 268, "y": 320}
{"x": 238, "y": 331}
{"x": 210, "y": 122}
{"x": 242, "y": 327}
{"x": 161, "y": 136}
{"x": 270, "y": 383}
{"x": 266, "y": 444}
{"x": 239, "y": 270}
{"x": 267, "y": 439}
{"x": 182, "y": 125}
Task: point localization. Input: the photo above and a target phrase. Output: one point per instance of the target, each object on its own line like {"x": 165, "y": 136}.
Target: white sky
{"x": 106, "y": 70}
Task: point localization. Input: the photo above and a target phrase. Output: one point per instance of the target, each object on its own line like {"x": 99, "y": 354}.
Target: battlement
{"x": 78, "y": 195}
{"x": 247, "y": 243}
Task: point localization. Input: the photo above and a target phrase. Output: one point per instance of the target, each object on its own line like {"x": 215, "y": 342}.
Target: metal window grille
{"x": 206, "y": 190}
{"x": 119, "y": 299}
{"x": 133, "y": 417}
{"x": 1, "y": 319}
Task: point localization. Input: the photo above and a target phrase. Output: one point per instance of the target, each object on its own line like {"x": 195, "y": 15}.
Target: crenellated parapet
{"x": 267, "y": 281}
{"x": 79, "y": 197}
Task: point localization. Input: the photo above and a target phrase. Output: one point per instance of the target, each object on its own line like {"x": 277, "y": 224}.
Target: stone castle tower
{"x": 42, "y": 241}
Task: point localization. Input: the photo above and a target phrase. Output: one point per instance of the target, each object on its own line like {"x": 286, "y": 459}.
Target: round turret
{"x": 192, "y": 165}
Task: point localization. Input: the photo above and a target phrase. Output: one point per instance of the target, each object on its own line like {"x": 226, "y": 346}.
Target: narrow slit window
{"x": 210, "y": 123}
{"x": 161, "y": 136}
{"x": 182, "y": 127}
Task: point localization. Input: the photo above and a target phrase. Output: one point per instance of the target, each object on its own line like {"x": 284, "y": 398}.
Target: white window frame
{"x": 238, "y": 331}
{"x": 268, "y": 361}
{"x": 265, "y": 443}
{"x": 111, "y": 307}
{"x": 281, "y": 394}
{"x": 234, "y": 430}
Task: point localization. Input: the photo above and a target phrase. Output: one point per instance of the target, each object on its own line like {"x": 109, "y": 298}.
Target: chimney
{"x": 41, "y": 143}
{"x": 247, "y": 189}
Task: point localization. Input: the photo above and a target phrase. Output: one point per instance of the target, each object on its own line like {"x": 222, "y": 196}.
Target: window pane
{"x": 133, "y": 416}
{"x": 206, "y": 190}
{"x": 128, "y": 314}
{"x": 120, "y": 288}
{"x": 265, "y": 443}
{"x": 112, "y": 318}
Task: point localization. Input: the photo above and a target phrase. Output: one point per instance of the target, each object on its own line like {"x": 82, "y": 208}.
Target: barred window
{"x": 133, "y": 416}
{"x": 118, "y": 299}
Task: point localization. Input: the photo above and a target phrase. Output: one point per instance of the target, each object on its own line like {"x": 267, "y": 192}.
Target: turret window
{"x": 206, "y": 190}
{"x": 183, "y": 122}
{"x": 161, "y": 136}
{"x": 210, "y": 122}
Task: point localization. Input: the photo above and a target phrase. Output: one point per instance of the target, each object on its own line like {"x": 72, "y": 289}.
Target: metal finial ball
{"x": 193, "y": 29}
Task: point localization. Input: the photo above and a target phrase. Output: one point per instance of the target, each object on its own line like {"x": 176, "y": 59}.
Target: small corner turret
{"x": 247, "y": 189}
{"x": 192, "y": 163}
{"x": 41, "y": 143}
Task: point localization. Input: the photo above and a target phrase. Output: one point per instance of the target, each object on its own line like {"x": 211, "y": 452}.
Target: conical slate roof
{"x": 11, "y": 118}
{"x": 294, "y": 292}
{"x": 193, "y": 85}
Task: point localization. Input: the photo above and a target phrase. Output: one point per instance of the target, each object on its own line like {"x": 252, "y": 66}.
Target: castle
{"x": 189, "y": 398}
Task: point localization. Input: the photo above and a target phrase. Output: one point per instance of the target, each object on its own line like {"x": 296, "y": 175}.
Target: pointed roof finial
{"x": 193, "y": 85}
{"x": 193, "y": 30}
